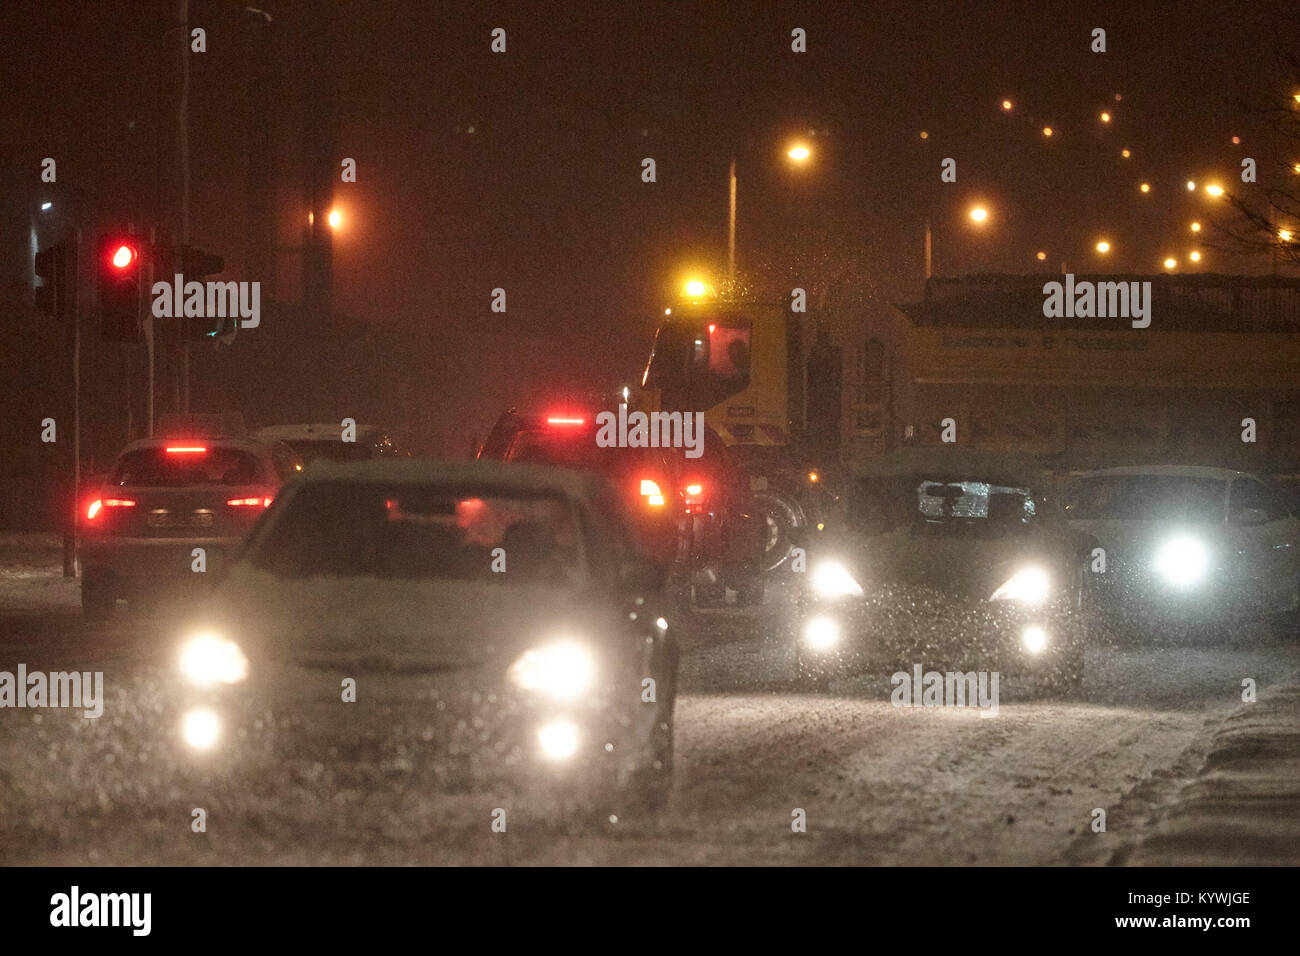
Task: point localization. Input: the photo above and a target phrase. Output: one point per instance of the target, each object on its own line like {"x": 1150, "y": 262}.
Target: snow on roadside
{"x": 31, "y": 575}
{"x": 1243, "y": 804}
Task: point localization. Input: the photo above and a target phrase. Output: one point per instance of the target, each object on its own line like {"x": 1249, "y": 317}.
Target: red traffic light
{"x": 124, "y": 255}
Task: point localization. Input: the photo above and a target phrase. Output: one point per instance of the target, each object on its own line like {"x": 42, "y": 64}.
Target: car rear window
{"x": 186, "y": 464}
{"x": 1147, "y": 498}
{"x": 942, "y": 504}
{"x": 577, "y": 448}
{"x": 342, "y": 529}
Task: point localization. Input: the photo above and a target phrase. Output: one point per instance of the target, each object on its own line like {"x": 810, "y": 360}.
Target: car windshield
{"x": 941, "y": 504}
{"x": 185, "y": 464}
{"x": 1147, "y": 498}
{"x": 342, "y": 529}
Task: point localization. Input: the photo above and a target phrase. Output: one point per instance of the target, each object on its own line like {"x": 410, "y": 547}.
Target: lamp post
{"x": 798, "y": 154}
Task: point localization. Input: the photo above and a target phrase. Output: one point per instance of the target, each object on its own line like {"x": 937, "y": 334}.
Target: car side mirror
{"x": 641, "y": 574}
{"x": 1250, "y": 516}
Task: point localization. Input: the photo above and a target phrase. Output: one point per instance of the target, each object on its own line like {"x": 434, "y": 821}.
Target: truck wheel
{"x": 97, "y": 597}
{"x": 782, "y": 516}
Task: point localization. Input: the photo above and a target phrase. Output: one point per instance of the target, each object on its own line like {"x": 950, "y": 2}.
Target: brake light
{"x": 559, "y": 420}
{"x": 653, "y": 495}
{"x": 265, "y": 502}
{"x": 693, "y": 494}
{"x": 186, "y": 450}
{"x": 99, "y": 504}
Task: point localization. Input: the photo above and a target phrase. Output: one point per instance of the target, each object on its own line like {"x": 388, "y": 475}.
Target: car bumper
{"x": 141, "y": 560}
{"x": 903, "y": 630}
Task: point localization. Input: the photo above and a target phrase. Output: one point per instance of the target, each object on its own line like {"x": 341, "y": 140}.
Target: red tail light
{"x": 99, "y": 504}
{"x": 696, "y": 501}
{"x": 264, "y": 501}
{"x": 565, "y": 420}
{"x": 185, "y": 449}
{"x": 651, "y": 492}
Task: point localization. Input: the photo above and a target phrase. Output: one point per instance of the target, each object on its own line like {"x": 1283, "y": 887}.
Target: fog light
{"x": 821, "y": 633}
{"x": 201, "y": 728}
{"x": 559, "y": 739}
{"x": 1034, "y": 639}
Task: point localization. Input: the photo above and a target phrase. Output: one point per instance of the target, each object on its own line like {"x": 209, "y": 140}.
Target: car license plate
{"x": 180, "y": 519}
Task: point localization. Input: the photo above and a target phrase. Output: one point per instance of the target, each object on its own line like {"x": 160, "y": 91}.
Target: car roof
{"x": 953, "y": 460}
{"x": 1175, "y": 471}
{"x": 310, "y": 432}
{"x": 489, "y": 475}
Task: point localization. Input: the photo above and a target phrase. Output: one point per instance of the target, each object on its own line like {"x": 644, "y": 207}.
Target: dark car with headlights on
{"x": 947, "y": 559}
{"x": 1190, "y": 552}
{"x": 490, "y": 622}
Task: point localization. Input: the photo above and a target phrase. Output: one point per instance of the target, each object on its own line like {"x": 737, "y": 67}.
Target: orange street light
{"x": 1103, "y": 247}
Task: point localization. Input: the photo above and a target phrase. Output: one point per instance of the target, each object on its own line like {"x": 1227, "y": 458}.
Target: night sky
{"x": 522, "y": 170}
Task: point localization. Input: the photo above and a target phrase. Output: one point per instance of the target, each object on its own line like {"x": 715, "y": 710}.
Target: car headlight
{"x": 1182, "y": 561}
{"x": 821, "y": 633}
{"x": 1029, "y": 585}
{"x": 559, "y": 739}
{"x": 201, "y": 728}
{"x": 561, "y": 671}
{"x": 212, "y": 659}
{"x": 1034, "y": 639}
{"x": 830, "y": 579}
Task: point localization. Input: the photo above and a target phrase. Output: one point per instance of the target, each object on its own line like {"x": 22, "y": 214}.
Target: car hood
{"x": 968, "y": 567}
{"x": 398, "y": 626}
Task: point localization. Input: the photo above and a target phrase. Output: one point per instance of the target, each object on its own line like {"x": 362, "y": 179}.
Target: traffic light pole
{"x": 70, "y": 538}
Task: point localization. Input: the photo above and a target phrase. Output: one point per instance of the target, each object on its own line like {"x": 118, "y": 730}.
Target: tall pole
{"x": 731, "y": 227}
{"x": 927, "y": 248}
{"x": 183, "y": 141}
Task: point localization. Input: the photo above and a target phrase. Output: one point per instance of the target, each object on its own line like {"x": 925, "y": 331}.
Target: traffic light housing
{"x": 56, "y": 267}
{"x": 196, "y": 265}
{"x": 118, "y": 272}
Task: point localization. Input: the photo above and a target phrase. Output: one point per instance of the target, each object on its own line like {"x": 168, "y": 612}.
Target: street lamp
{"x": 1103, "y": 247}
{"x": 978, "y": 214}
{"x": 799, "y": 154}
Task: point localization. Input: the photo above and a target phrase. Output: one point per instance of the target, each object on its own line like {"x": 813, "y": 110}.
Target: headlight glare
{"x": 830, "y": 579}
{"x": 562, "y": 671}
{"x": 821, "y": 633}
{"x": 1029, "y": 585}
{"x": 212, "y": 659}
{"x": 1182, "y": 561}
